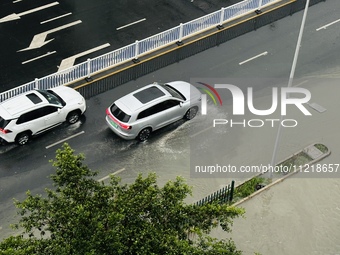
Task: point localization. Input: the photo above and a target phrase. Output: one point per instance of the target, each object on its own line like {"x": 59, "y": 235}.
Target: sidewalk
{"x": 300, "y": 215}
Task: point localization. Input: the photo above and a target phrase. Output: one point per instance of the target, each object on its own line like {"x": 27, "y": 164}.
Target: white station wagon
{"x": 36, "y": 111}
{"x": 152, "y": 107}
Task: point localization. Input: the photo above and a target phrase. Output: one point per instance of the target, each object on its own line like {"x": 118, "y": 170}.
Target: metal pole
{"x": 291, "y": 77}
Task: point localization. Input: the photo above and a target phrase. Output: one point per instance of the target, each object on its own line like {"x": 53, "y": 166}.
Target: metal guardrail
{"x": 223, "y": 196}
{"x": 139, "y": 48}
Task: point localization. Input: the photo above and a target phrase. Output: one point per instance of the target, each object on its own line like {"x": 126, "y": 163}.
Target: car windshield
{"x": 174, "y": 92}
{"x": 52, "y": 97}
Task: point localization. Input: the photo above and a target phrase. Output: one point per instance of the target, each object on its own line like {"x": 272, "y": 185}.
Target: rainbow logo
{"x": 208, "y": 92}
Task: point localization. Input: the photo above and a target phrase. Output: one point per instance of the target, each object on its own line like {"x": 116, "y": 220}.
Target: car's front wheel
{"x": 23, "y": 138}
{"x": 144, "y": 134}
{"x": 191, "y": 113}
{"x": 73, "y": 117}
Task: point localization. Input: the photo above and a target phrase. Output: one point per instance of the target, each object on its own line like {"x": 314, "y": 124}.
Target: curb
{"x": 322, "y": 156}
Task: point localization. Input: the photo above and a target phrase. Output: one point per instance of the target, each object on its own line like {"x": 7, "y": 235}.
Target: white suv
{"x": 36, "y": 111}
{"x": 152, "y": 107}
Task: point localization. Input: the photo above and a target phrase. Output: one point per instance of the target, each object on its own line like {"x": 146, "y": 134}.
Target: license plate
{"x": 114, "y": 123}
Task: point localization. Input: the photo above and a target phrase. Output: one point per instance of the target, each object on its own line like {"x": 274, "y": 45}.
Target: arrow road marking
{"x": 39, "y": 39}
{"x": 68, "y": 62}
{"x": 15, "y": 16}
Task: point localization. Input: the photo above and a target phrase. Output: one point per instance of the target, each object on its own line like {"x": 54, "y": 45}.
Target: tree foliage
{"x": 86, "y": 217}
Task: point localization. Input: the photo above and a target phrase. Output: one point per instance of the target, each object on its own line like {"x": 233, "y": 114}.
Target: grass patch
{"x": 297, "y": 160}
{"x": 289, "y": 165}
{"x": 248, "y": 188}
{"x": 321, "y": 147}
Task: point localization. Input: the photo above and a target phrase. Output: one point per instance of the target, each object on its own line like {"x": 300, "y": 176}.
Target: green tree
{"x": 83, "y": 216}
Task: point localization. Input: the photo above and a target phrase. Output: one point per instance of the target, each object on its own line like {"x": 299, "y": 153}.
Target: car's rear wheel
{"x": 144, "y": 134}
{"x": 23, "y": 138}
{"x": 191, "y": 113}
{"x": 73, "y": 117}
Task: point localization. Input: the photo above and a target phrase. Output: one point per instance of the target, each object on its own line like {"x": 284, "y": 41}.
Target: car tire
{"x": 73, "y": 117}
{"x": 144, "y": 134}
{"x": 191, "y": 113}
{"x": 23, "y": 138}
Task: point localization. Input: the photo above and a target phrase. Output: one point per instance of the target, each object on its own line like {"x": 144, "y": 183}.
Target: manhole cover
{"x": 202, "y": 5}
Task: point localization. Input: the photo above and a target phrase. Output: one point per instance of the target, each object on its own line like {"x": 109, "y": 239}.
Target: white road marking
{"x": 39, "y": 39}
{"x": 69, "y": 62}
{"x": 200, "y": 132}
{"x": 30, "y": 60}
{"x": 108, "y": 176}
{"x": 63, "y": 140}
{"x": 61, "y": 16}
{"x": 250, "y": 59}
{"x": 327, "y": 25}
{"x": 17, "y": 1}
{"x": 299, "y": 84}
{"x": 131, "y": 24}
{"x": 15, "y": 16}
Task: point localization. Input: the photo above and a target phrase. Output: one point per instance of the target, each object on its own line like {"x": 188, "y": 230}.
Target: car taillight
{"x": 122, "y": 125}
{"x": 108, "y": 111}
{"x": 125, "y": 126}
{"x": 5, "y": 131}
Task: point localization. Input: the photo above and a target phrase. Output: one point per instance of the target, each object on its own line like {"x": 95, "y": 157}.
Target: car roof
{"x": 13, "y": 107}
{"x": 141, "y": 97}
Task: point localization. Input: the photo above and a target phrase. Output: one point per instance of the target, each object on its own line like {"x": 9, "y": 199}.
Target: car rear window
{"x": 119, "y": 114}
{"x": 148, "y": 94}
{"x": 3, "y": 122}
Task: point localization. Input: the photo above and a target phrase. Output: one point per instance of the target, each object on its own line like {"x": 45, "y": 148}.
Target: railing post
{"x": 36, "y": 83}
{"x": 136, "y": 60}
{"x": 258, "y": 10}
{"x": 220, "y": 26}
{"x": 179, "y": 42}
{"x": 88, "y": 65}
{"x": 231, "y": 191}
{"x": 88, "y": 68}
